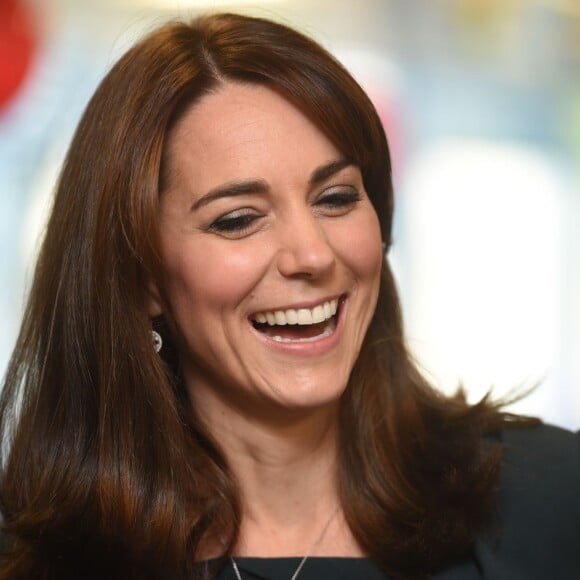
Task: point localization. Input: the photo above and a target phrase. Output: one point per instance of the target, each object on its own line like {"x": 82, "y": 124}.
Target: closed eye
{"x": 339, "y": 199}
{"x": 234, "y": 223}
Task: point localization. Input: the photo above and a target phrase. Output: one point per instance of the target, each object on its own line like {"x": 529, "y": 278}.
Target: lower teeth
{"x": 327, "y": 332}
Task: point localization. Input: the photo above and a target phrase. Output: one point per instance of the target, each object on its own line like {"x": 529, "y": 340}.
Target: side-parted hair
{"x": 106, "y": 472}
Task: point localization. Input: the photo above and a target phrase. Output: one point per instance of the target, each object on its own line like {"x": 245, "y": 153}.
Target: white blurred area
{"x": 481, "y": 102}
{"x": 486, "y": 261}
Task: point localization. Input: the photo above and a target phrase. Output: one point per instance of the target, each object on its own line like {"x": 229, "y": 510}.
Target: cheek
{"x": 205, "y": 277}
{"x": 361, "y": 246}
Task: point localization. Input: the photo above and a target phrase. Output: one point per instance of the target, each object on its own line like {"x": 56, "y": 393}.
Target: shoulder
{"x": 538, "y": 529}
{"x": 541, "y": 469}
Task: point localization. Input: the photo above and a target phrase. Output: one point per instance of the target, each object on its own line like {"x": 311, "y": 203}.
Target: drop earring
{"x": 157, "y": 340}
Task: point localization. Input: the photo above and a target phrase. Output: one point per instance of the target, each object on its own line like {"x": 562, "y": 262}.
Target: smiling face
{"x": 272, "y": 254}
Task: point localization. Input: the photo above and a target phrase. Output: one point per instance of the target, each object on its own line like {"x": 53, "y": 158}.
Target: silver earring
{"x": 157, "y": 340}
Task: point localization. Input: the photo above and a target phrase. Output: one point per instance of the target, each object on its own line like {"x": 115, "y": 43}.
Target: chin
{"x": 310, "y": 395}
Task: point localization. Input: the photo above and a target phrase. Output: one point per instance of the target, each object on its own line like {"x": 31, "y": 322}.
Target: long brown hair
{"x": 105, "y": 470}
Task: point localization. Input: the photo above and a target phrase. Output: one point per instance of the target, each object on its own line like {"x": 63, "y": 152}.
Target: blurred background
{"x": 481, "y": 102}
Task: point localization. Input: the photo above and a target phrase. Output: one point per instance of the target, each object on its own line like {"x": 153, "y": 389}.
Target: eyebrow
{"x": 245, "y": 187}
{"x": 325, "y": 171}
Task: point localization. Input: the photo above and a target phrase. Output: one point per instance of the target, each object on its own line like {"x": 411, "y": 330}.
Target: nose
{"x": 304, "y": 249}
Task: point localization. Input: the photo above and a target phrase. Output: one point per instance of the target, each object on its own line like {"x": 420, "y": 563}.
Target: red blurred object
{"x": 18, "y": 42}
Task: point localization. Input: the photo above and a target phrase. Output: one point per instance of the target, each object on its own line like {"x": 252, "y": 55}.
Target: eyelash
{"x": 340, "y": 199}
{"x": 235, "y": 223}
{"x": 239, "y": 222}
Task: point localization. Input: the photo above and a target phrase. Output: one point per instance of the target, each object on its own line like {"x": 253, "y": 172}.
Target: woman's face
{"x": 272, "y": 254}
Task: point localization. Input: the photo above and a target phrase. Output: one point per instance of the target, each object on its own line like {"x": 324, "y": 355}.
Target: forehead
{"x": 243, "y": 130}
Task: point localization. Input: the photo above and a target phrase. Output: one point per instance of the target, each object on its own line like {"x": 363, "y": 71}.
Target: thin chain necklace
{"x": 309, "y": 551}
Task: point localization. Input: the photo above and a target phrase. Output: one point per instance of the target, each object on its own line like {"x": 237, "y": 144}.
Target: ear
{"x": 154, "y": 301}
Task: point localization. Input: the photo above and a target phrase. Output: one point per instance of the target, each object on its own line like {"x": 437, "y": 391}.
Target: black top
{"x": 537, "y": 536}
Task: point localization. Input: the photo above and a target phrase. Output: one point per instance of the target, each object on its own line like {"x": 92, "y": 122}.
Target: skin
{"x": 288, "y": 240}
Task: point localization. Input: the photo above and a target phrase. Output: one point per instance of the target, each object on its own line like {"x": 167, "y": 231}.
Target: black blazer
{"x": 538, "y": 533}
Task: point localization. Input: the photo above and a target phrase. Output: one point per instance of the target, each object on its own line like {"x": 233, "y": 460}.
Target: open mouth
{"x": 299, "y": 325}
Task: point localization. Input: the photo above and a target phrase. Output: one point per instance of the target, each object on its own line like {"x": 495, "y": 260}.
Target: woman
{"x": 229, "y": 188}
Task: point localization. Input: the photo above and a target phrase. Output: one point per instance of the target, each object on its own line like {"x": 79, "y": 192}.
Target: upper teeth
{"x": 301, "y": 316}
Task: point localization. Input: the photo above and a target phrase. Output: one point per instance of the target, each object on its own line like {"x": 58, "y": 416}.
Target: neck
{"x": 286, "y": 470}
{"x": 281, "y": 466}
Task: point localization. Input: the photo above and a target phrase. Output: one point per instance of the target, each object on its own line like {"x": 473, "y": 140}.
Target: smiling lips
{"x": 298, "y": 325}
